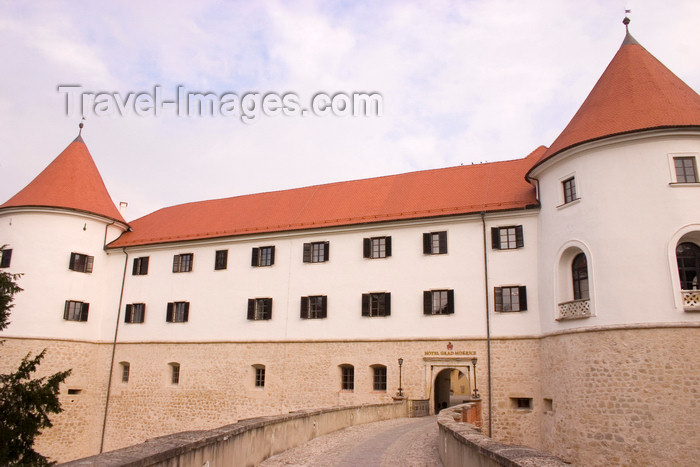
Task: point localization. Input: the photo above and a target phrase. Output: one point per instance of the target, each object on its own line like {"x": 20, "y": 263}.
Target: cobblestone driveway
{"x": 399, "y": 442}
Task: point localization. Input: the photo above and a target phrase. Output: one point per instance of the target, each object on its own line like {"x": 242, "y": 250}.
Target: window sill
{"x": 679, "y": 184}
{"x": 565, "y": 205}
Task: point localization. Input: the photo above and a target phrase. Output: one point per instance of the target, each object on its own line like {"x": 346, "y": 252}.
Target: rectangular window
{"x": 221, "y": 260}
{"x": 5, "y": 257}
{"x": 376, "y": 304}
{"x": 521, "y": 403}
{"x": 686, "y": 171}
{"x": 263, "y": 256}
{"x": 81, "y": 263}
{"x": 435, "y": 243}
{"x": 174, "y": 373}
{"x": 178, "y": 312}
{"x": 135, "y": 313}
{"x": 260, "y": 377}
{"x": 569, "y": 186}
{"x": 183, "y": 262}
{"x": 507, "y": 238}
{"x": 316, "y": 252}
{"x": 259, "y": 309}
{"x": 125, "y": 372}
{"x": 438, "y": 302}
{"x": 379, "y": 378}
{"x": 140, "y": 266}
{"x": 510, "y": 298}
{"x": 376, "y": 247}
{"x": 347, "y": 382}
{"x": 75, "y": 311}
{"x": 314, "y": 307}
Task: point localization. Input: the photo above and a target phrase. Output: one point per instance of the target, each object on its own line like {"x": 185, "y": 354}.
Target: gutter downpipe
{"x": 114, "y": 349}
{"x": 488, "y": 323}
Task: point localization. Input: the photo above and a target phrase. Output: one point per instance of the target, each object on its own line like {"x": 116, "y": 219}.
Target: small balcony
{"x": 691, "y": 300}
{"x": 575, "y": 309}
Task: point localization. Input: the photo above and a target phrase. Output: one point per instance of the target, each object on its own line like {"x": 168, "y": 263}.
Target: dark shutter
{"x": 443, "y": 242}
{"x": 427, "y": 302}
{"x": 187, "y": 312}
{"x": 254, "y": 261}
{"x": 88, "y": 263}
{"x": 71, "y": 264}
{"x": 366, "y": 248}
{"x": 388, "y": 246}
{"x": 6, "y": 256}
{"x": 519, "y": 241}
{"x": 84, "y": 311}
{"x": 144, "y": 265}
{"x": 136, "y": 268}
{"x": 324, "y": 306}
{"x": 326, "y": 251}
{"x": 427, "y": 244}
{"x": 497, "y": 299}
{"x": 129, "y": 313}
{"x": 495, "y": 238}
{"x": 269, "y": 308}
{"x": 365, "y": 303}
{"x": 251, "y": 308}
{"x": 176, "y": 263}
{"x": 387, "y": 303}
{"x": 450, "y": 302}
{"x": 522, "y": 296}
{"x": 307, "y": 252}
{"x": 169, "y": 313}
{"x": 65, "y": 309}
{"x": 304, "y": 304}
{"x": 272, "y": 255}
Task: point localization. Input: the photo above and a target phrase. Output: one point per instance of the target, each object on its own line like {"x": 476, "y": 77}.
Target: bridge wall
{"x": 247, "y": 442}
{"x": 463, "y": 444}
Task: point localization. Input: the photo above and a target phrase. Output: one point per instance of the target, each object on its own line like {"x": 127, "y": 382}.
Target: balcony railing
{"x": 691, "y": 300}
{"x": 574, "y": 309}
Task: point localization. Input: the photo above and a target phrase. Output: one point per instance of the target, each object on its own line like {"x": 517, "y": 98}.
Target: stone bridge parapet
{"x": 245, "y": 443}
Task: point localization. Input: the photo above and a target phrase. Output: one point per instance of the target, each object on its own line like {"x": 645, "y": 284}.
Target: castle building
{"x": 560, "y": 289}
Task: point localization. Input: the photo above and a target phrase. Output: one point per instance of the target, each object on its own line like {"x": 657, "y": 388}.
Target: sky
{"x": 460, "y": 82}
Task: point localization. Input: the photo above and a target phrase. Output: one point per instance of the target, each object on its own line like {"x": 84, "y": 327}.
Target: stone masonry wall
{"x": 515, "y": 366}
{"x": 217, "y": 382}
{"x": 76, "y": 431}
{"x": 623, "y": 397}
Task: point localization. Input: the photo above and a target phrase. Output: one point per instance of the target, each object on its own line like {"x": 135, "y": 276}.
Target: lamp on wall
{"x": 475, "y": 394}
{"x": 400, "y": 393}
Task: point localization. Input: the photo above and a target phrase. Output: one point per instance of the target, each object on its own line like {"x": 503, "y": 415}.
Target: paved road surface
{"x": 399, "y": 442}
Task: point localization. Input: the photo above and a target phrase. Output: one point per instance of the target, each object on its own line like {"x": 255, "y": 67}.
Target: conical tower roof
{"x": 71, "y": 181}
{"x": 636, "y": 92}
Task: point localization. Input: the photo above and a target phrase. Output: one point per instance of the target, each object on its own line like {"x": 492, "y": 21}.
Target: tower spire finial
{"x": 626, "y": 21}
{"x": 81, "y": 125}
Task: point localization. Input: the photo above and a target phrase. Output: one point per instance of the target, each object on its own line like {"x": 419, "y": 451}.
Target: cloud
{"x": 461, "y": 82}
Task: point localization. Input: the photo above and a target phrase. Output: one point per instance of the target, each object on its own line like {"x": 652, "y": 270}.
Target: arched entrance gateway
{"x": 451, "y": 387}
{"x": 450, "y": 378}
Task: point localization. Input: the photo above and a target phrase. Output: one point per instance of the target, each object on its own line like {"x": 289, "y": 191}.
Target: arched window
{"x": 347, "y": 377}
{"x": 174, "y": 373}
{"x": 579, "y": 274}
{"x": 688, "y": 256}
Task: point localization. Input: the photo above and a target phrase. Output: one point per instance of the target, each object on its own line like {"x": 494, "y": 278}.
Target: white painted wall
{"x": 42, "y": 241}
{"x": 218, "y": 299}
{"x": 627, "y": 218}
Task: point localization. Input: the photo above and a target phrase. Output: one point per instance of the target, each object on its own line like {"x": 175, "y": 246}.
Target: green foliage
{"x": 8, "y": 289}
{"x": 24, "y": 402}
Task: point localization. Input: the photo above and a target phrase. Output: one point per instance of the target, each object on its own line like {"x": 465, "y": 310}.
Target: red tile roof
{"x": 636, "y": 92}
{"x": 441, "y": 192}
{"x": 71, "y": 181}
